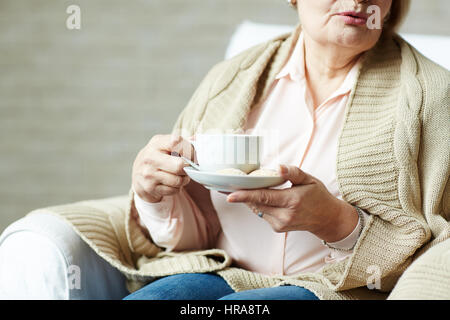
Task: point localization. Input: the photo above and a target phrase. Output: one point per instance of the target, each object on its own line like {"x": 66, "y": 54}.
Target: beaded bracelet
{"x": 361, "y": 227}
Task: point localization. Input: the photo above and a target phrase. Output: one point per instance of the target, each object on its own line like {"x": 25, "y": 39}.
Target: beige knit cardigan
{"x": 393, "y": 161}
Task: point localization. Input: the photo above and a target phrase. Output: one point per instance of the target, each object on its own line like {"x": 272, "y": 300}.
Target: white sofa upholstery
{"x": 41, "y": 257}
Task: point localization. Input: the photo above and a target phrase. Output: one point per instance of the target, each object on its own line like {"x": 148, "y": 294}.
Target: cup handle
{"x": 192, "y": 142}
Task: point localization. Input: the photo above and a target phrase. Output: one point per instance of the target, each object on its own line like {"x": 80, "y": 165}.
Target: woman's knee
{"x": 187, "y": 286}
{"x": 274, "y": 293}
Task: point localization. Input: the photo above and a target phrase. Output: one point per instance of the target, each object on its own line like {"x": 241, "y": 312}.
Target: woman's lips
{"x": 354, "y": 18}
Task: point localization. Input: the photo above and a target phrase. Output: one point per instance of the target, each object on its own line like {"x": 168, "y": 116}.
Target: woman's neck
{"x": 326, "y": 67}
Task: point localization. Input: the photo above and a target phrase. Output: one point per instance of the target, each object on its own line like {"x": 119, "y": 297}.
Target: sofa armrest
{"x": 41, "y": 257}
{"x": 102, "y": 225}
{"x": 107, "y": 205}
{"x": 427, "y": 278}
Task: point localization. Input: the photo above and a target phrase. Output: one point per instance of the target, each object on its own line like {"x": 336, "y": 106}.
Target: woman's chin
{"x": 355, "y": 37}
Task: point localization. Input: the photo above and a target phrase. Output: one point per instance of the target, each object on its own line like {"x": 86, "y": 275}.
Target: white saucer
{"x": 231, "y": 183}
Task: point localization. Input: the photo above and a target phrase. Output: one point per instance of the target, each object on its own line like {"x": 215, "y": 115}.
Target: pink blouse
{"x": 305, "y": 137}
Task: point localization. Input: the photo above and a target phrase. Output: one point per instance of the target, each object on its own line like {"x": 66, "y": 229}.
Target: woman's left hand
{"x": 306, "y": 206}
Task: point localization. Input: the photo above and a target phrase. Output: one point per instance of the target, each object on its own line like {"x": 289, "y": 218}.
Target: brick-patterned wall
{"x": 76, "y": 106}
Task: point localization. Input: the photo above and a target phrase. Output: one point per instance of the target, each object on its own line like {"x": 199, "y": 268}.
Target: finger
{"x": 171, "y": 180}
{"x": 266, "y": 197}
{"x": 266, "y": 210}
{"x": 146, "y": 192}
{"x": 167, "y": 163}
{"x": 166, "y": 190}
{"x": 175, "y": 143}
{"x": 270, "y": 214}
{"x": 295, "y": 175}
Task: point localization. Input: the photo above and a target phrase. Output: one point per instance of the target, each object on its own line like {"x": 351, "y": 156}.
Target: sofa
{"x": 41, "y": 256}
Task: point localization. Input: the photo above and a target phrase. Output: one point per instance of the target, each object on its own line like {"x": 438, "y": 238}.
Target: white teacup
{"x": 220, "y": 151}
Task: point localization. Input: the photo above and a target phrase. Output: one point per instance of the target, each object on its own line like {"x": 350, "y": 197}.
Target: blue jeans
{"x": 208, "y": 286}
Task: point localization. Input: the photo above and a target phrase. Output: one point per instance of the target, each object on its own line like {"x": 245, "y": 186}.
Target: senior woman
{"x": 363, "y": 125}
{"x": 359, "y": 114}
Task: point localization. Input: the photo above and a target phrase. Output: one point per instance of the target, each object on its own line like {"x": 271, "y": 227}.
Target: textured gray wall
{"x": 76, "y": 106}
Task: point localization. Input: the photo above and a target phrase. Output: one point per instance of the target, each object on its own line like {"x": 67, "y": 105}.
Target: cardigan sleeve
{"x": 434, "y": 158}
{"x": 394, "y": 237}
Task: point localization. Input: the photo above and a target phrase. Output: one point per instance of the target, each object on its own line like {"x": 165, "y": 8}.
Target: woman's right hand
{"x": 156, "y": 173}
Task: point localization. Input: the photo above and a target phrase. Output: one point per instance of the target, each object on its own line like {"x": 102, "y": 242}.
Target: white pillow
{"x": 248, "y": 34}
{"x": 436, "y": 48}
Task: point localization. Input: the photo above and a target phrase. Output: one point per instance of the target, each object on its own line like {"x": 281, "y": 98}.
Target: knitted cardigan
{"x": 393, "y": 161}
